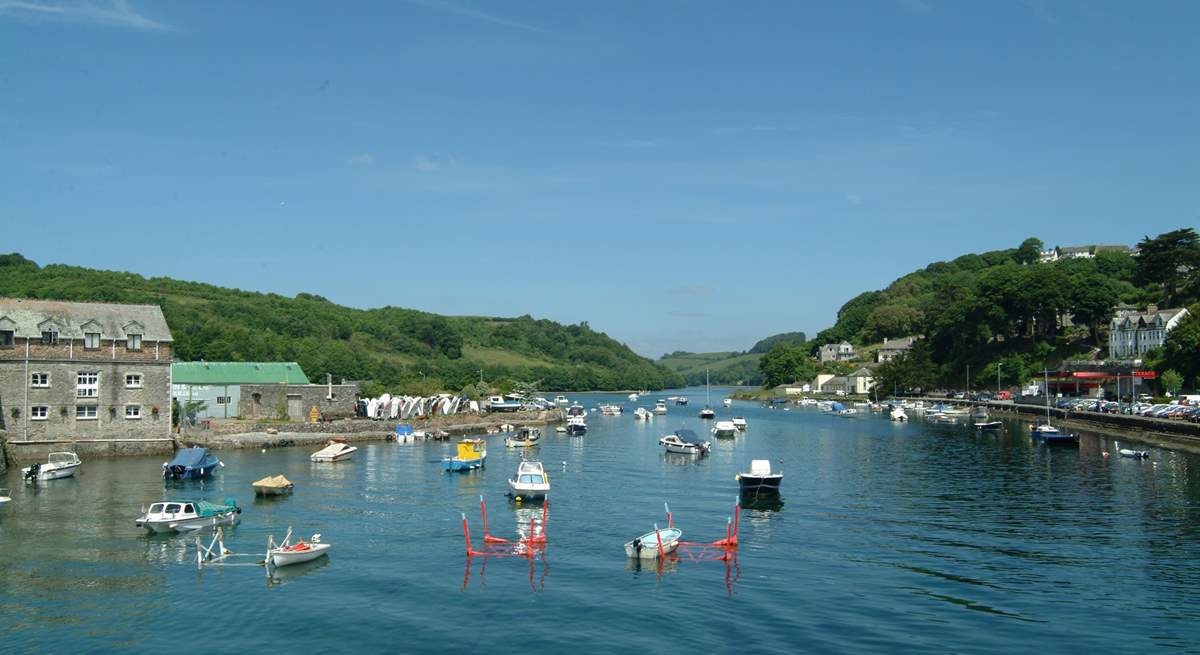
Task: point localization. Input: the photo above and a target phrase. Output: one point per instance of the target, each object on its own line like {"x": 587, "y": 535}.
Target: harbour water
{"x": 889, "y": 538}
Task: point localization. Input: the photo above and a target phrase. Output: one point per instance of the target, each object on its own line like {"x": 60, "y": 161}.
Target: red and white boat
{"x": 295, "y": 553}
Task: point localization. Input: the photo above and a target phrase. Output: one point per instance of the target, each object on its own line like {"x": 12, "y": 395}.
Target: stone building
{"x": 214, "y": 389}
{"x": 893, "y": 348}
{"x": 79, "y": 371}
{"x": 296, "y": 401}
{"x": 837, "y": 352}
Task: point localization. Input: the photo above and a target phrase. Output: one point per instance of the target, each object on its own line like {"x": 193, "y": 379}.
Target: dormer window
{"x": 49, "y": 337}
{"x": 91, "y": 341}
{"x": 6, "y": 338}
{"x": 133, "y": 342}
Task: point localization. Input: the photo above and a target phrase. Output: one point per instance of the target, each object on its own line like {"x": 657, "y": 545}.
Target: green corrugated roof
{"x": 237, "y": 373}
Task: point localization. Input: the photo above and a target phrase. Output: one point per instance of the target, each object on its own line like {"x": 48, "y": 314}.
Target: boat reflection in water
{"x": 762, "y": 502}
{"x": 282, "y": 575}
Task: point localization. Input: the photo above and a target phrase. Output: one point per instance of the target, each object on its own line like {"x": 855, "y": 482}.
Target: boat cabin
{"x": 470, "y": 449}
{"x": 530, "y": 473}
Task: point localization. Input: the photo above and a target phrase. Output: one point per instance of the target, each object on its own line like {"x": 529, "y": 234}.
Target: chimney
{"x": 1150, "y": 309}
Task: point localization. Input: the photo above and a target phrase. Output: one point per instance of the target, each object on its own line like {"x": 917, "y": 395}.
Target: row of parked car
{"x": 1179, "y": 412}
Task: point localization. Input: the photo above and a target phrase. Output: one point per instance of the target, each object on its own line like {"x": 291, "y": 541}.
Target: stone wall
{"x": 23, "y": 452}
{"x": 296, "y": 401}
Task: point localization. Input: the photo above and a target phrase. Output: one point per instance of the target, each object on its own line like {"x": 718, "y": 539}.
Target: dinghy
{"x": 287, "y": 553}
{"x": 273, "y": 485}
{"x": 59, "y": 465}
{"x": 335, "y": 451}
{"x": 649, "y": 545}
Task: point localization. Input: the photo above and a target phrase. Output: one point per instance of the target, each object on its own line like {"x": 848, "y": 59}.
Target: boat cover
{"x": 277, "y": 481}
{"x": 688, "y": 436}
{"x": 205, "y": 508}
{"x": 837, "y": 407}
{"x": 191, "y": 458}
{"x": 404, "y": 429}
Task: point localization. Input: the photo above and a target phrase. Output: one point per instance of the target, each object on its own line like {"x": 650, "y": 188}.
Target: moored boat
{"x": 898, "y": 414}
{"x": 273, "y": 485}
{"x": 610, "y": 410}
{"x": 288, "y": 553}
{"x": 681, "y": 400}
{"x": 524, "y": 438}
{"x": 989, "y": 425}
{"x": 685, "y": 442}
{"x": 724, "y": 429}
{"x": 654, "y": 543}
{"x": 58, "y": 465}
{"x": 472, "y": 454}
{"x": 708, "y": 413}
{"x": 560, "y": 400}
{"x": 191, "y": 464}
{"x": 728, "y": 402}
{"x": 739, "y": 422}
{"x": 576, "y": 426}
{"x": 530, "y": 482}
{"x": 187, "y": 515}
{"x": 760, "y": 479}
{"x": 5, "y": 497}
{"x": 660, "y": 407}
{"x": 633, "y": 397}
{"x": 334, "y": 451}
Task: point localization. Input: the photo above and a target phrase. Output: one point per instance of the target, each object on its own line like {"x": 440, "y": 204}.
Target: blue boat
{"x": 404, "y": 432}
{"x": 472, "y": 453}
{"x": 191, "y": 464}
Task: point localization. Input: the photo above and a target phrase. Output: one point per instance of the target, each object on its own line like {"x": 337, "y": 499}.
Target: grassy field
{"x": 723, "y": 367}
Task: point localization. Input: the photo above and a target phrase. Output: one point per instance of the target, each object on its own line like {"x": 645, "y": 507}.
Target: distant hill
{"x": 793, "y": 338}
{"x": 398, "y": 349}
{"x": 723, "y": 367}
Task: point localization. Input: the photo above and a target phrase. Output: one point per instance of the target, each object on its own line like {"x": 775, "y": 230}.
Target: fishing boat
{"x": 989, "y": 425}
{"x": 898, "y": 414}
{"x": 191, "y": 464}
{"x": 288, "y": 553}
{"x": 530, "y": 482}
{"x": 472, "y": 453}
{"x": 724, "y": 429}
{"x": 576, "y": 426}
{"x": 739, "y": 422}
{"x": 187, "y": 515}
{"x": 660, "y": 407}
{"x": 273, "y": 485}
{"x": 524, "y": 438}
{"x": 58, "y": 465}
{"x": 334, "y": 451}
{"x": 681, "y": 400}
{"x": 760, "y": 479}
{"x": 685, "y": 442}
{"x": 654, "y": 543}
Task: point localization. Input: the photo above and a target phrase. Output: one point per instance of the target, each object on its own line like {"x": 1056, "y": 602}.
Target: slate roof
{"x": 28, "y": 318}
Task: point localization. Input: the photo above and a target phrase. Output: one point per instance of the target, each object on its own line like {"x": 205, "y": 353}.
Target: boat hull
{"x": 456, "y": 465}
{"x": 189, "y": 524}
{"x": 190, "y": 474}
{"x": 753, "y": 485}
{"x": 576, "y": 430}
{"x": 527, "y": 492}
{"x": 646, "y": 546}
{"x": 271, "y": 491}
{"x": 56, "y": 473}
{"x": 725, "y": 434}
{"x": 686, "y": 449}
{"x": 281, "y": 557}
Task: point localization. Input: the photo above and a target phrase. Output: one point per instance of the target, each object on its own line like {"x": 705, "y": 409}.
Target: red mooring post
{"x": 728, "y": 538}
{"x": 661, "y": 556}
{"x": 737, "y": 513}
{"x": 670, "y": 519}
{"x": 545, "y": 514}
{"x": 467, "y": 534}
{"x": 487, "y": 537}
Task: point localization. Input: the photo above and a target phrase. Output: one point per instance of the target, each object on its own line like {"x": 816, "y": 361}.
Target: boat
{"x": 472, "y": 453}
{"x": 724, "y": 429}
{"x": 681, "y": 400}
{"x": 1127, "y": 452}
{"x": 334, "y": 451}
{"x": 1047, "y": 432}
{"x": 989, "y": 425}
{"x": 530, "y": 482}
{"x": 610, "y": 410}
{"x": 5, "y": 497}
{"x": 898, "y": 414}
{"x": 654, "y": 543}
{"x": 576, "y": 426}
{"x": 739, "y": 423}
{"x": 728, "y": 402}
{"x": 760, "y": 479}
{"x": 58, "y": 465}
{"x": 524, "y": 438}
{"x": 660, "y": 407}
{"x": 685, "y": 442}
{"x": 191, "y": 464}
{"x": 642, "y": 414}
{"x": 980, "y": 413}
{"x": 560, "y": 400}
{"x": 707, "y": 412}
{"x": 633, "y": 397}
{"x": 273, "y": 485}
{"x": 288, "y": 553}
{"x": 187, "y": 515}
{"x": 576, "y": 410}
{"x": 502, "y": 404}
{"x": 672, "y": 398}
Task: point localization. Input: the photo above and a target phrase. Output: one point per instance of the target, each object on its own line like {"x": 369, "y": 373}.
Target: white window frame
{"x": 138, "y": 385}
{"x": 50, "y": 340}
{"x": 82, "y": 413}
{"x": 130, "y": 341}
{"x": 34, "y": 384}
{"x": 33, "y": 413}
{"x": 89, "y": 337}
{"x": 87, "y": 385}
{"x": 137, "y": 412}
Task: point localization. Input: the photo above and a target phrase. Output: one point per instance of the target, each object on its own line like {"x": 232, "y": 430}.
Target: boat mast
{"x": 1046, "y": 373}
{"x": 707, "y": 400}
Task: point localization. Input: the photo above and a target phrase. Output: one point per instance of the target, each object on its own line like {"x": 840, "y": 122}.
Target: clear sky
{"x": 680, "y": 174}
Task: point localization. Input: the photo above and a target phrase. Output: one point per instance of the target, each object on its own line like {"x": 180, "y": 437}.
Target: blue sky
{"x": 681, "y": 175}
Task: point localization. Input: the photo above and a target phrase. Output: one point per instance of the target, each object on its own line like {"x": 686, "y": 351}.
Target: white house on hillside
{"x": 1132, "y": 333}
{"x": 837, "y": 352}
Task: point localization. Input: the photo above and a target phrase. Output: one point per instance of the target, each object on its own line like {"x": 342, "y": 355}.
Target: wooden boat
{"x": 273, "y": 485}
{"x": 191, "y": 464}
{"x": 760, "y": 479}
{"x": 472, "y": 453}
{"x": 187, "y": 515}
{"x": 685, "y": 442}
{"x": 288, "y": 553}
{"x": 524, "y": 438}
{"x": 530, "y": 482}
{"x": 647, "y": 545}
{"x": 58, "y": 465}
{"x": 335, "y": 451}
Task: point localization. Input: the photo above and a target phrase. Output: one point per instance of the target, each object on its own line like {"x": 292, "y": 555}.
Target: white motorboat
{"x": 649, "y": 545}
{"x": 898, "y": 414}
{"x": 560, "y": 400}
{"x": 336, "y": 451}
{"x": 530, "y": 482}
{"x": 660, "y": 407}
{"x": 288, "y": 553}
{"x": 724, "y": 429}
{"x": 59, "y": 465}
{"x": 633, "y": 397}
{"x": 685, "y": 442}
{"x": 739, "y": 423}
{"x": 672, "y": 398}
{"x": 610, "y": 410}
{"x": 642, "y": 414}
{"x": 760, "y": 479}
{"x": 1129, "y": 452}
{"x": 728, "y": 402}
{"x": 525, "y": 437}
{"x": 188, "y": 515}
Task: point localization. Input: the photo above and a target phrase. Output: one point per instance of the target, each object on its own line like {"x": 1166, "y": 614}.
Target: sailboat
{"x": 1047, "y": 432}
{"x": 707, "y": 412}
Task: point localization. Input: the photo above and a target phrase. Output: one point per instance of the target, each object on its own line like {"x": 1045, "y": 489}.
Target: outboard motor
{"x": 32, "y": 474}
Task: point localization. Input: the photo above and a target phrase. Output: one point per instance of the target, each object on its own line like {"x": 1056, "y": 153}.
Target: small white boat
{"x": 660, "y": 407}
{"x": 724, "y": 429}
{"x": 633, "y": 397}
{"x": 288, "y": 553}
{"x": 672, "y": 398}
{"x": 648, "y": 545}
{"x": 273, "y": 485}
{"x": 187, "y": 515}
{"x": 685, "y": 442}
{"x": 610, "y": 410}
{"x": 5, "y": 497}
{"x": 524, "y": 438}
{"x": 898, "y": 414}
{"x": 336, "y": 451}
{"x": 728, "y": 402}
{"x": 530, "y": 482}
{"x": 739, "y": 423}
{"x": 60, "y": 465}
{"x": 1127, "y": 452}
{"x": 560, "y": 400}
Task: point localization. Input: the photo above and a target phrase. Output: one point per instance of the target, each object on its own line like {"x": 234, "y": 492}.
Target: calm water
{"x": 890, "y": 538}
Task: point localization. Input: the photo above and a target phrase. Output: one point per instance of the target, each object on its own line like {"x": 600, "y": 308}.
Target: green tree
{"x": 1172, "y": 381}
{"x": 1181, "y": 352}
{"x": 1171, "y": 259}
{"x": 786, "y": 363}
{"x": 1029, "y": 252}
{"x": 1092, "y": 301}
